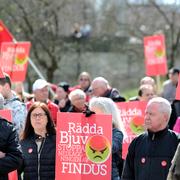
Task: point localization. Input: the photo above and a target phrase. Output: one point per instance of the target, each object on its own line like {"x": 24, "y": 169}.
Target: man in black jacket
{"x": 10, "y": 151}
{"x": 150, "y": 154}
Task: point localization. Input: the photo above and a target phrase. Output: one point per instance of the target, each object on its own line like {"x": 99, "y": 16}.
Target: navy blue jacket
{"x": 149, "y": 156}
{"x": 10, "y": 146}
{"x": 45, "y": 162}
{"x": 117, "y": 138}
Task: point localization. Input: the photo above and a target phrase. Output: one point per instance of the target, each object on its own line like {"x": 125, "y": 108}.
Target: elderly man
{"x": 41, "y": 93}
{"x": 101, "y": 88}
{"x": 150, "y": 154}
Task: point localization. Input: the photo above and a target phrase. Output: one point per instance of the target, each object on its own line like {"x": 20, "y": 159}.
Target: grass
{"x": 130, "y": 93}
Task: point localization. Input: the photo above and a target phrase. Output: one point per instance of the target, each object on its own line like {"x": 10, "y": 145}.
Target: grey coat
{"x": 174, "y": 171}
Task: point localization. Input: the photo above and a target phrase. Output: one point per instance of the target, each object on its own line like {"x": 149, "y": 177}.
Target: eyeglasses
{"x": 84, "y": 79}
{"x": 38, "y": 115}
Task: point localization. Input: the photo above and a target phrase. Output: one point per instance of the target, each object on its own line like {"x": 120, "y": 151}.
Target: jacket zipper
{"x": 153, "y": 136}
{"x": 39, "y": 156}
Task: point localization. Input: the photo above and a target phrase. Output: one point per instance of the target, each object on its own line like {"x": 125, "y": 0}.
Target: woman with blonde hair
{"x": 102, "y": 105}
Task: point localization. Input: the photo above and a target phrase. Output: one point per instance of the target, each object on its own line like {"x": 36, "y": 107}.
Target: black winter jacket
{"x": 117, "y": 138}
{"x": 10, "y": 146}
{"x": 44, "y": 166}
{"x": 114, "y": 95}
{"x": 149, "y": 156}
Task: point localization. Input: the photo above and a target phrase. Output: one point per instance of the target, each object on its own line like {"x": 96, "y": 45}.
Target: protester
{"x": 104, "y": 105}
{"x": 145, "y": 93}
{"x": 150, "y": 154}
{"x": 61, "y": 98}
{"x": 174, "y": 171}
{"x": 169, "y": 86}
{"x": 78, "y": 101}
{"x": 150, "y": 81}
{"x": 38, "y": 144}
{"x": 169, "y": 92}
{"x": 41, "y": 93}
{"x": 10, "y": 151}
{"x": 146, "y": 84}
{"x": 101, "y": 88}
{"x": 84, "y": 82}
{"x": 13, "y": 103}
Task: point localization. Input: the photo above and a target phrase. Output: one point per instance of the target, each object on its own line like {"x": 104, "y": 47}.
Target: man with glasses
{"x": 84, "y": 82}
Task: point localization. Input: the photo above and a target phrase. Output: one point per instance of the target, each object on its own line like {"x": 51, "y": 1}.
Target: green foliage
{"x": 130, "y": 93}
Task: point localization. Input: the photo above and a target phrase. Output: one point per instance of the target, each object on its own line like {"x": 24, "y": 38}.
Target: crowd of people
{"x": 28, "y": 143}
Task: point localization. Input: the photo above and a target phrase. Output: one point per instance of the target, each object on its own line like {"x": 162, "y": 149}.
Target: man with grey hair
{"x": 148, "y": 155}
{"x": 101, "y": 88}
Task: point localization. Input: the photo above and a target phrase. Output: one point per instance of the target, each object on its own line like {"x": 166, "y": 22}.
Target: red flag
{"x": 14, "y": 59}
{"x": 7, "y": 57}
{"x": 20, "y": 61}
{"x": 155, "y": 55}
{"x": 6, "y": 114}
{"x": 1, "y": 73}
{"x": 5, "y": 35}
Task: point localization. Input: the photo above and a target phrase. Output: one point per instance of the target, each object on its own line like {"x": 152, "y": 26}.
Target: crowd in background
{"x": 34, "y": 116}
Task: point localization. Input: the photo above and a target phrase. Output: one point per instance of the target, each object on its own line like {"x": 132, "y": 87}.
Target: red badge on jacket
{"x": 30, "y": 150}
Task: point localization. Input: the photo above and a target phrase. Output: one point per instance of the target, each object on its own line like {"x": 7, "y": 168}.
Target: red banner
{"x": 13, "y": 175}
{"x": 132, "y": 115}
{"x": 6, "y": 114}
{"x": 83, "y": 149}
{"x": 7, "y": 57}
{"x": 5, "y": 35}
{"x": 1, "y": 73}
{"x": 14, "y": 59}
{"x": 155, "y": 55}
{"x": 178, "y": 90}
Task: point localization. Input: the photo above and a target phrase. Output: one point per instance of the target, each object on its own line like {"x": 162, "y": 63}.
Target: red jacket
{"x": 53, "y": 108}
